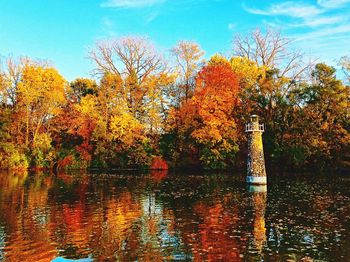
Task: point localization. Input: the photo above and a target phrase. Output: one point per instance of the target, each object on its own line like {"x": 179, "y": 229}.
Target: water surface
{"x": 167, "y": 217}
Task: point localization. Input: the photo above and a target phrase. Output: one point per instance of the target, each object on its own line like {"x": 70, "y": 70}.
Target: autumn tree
{"x": 32, "y": 94}
{"x": 2, "y": 89}
{"x": 283, "y": 68}
{"x": 101, "y": 131}
{"x": 327, "y": 112}
{"x": 10, "y": 155}
{"x": 41, "y": 94}
{"x": 208, "y": 117}
{"x": 188, "y": 56}
{"x": 117, "y": 131}
{"x": 135, "y": 60}
{"x": 317, "y": 133}
{"x": 140, "y": 98}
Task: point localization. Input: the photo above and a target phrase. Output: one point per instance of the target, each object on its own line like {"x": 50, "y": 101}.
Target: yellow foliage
{"x": 187, "y": 54}
{"x": 87, "y": 106}
{"x": 40, "y": 94}
{"x": 125, "y": 128}
{"x": 44, "y": 85}
{"x": 218, "y": 59}
{"x": 247, "y": 70}
{"x": 156, "y": 85}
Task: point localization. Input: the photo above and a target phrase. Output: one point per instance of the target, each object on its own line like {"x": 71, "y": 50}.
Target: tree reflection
{"x": 166, "y": 217}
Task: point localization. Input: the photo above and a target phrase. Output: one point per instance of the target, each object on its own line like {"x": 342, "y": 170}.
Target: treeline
{"x": 142, "y": 109}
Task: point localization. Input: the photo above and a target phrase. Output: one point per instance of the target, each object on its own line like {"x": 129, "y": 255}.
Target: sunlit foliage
{"x": 140, "y": 108}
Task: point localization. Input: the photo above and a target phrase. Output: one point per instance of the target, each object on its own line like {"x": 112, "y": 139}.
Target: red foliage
{"x": 159, "y": 175}
{"x": 159, "y": 164}
{"x": 218, "y": 82}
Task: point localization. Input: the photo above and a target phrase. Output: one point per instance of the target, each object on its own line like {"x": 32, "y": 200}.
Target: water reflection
{"x": 258, "y": 197}
{"x": 156, "y": 216}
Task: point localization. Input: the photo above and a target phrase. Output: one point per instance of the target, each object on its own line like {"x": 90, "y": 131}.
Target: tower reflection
{"x": 258, "y": 197}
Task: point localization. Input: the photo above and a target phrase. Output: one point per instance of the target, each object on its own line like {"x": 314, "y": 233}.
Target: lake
{"x": 165, "y": 217}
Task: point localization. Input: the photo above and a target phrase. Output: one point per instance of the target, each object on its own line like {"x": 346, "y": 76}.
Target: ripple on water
{"x": 130, "y": 217}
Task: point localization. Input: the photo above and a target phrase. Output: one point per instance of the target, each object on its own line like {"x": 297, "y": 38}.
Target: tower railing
{"x": 250, "y": 127}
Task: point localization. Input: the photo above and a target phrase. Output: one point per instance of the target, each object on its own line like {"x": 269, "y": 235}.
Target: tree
{"x": 269, "y": 49}
{"x": 216, "y": 97}
{"x": 81, "y": 87}
{"x": 32, "y": 95}
{"x": 141, "y": 68}
{"x": 136, "y": 54}
{"x": 2, "y": 89}
{"x": 40, "y": 95}
{"x": 208, "y": 117}
{"x": 10, "y": 78}
{"x": 318, "y": 133}
{"x": 109, "y": 98}
{"x": 188, "y": 55}
{"x": 284, "y": 69}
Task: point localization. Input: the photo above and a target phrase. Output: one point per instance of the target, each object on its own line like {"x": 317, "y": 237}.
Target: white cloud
{"x": 130, "y": 3}
{"x": 291, "y": 9}
{"x": 332, "y": 3}
{"x": 312, "y": 22}
{"x": 329, "y": 31}
{"x": 320, "y": 21}
{"x": 321, "y": 28}
{"x": 303, "y": 15}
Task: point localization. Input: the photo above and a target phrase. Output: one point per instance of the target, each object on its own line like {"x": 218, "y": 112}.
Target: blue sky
{"x": 62, "y": 31}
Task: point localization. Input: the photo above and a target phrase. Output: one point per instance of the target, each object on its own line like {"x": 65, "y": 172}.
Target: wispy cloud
{"x": 291, "y": 9}
{"x": 298, "y": 14}
{"x": 332, "y": 3}
{"x": 329, "y": 31}
{"x": 327, "y": 20}
{"x": 131, "y": 3}
{"x": 311, "y": 25}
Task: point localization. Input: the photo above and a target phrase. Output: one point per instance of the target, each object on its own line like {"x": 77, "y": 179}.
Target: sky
{"x": 63, "y": 31}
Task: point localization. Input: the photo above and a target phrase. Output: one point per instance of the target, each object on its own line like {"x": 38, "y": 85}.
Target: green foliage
{"x": 213, "y": 158}
{"x": 81, "y": 87}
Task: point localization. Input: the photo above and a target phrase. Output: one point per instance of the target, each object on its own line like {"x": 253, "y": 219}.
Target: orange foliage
{"x": 215, "y": 99}
{"x": 209, "y": 116}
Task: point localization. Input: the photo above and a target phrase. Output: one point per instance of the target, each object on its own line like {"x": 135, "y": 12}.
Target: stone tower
{"x": 256, "y": 173}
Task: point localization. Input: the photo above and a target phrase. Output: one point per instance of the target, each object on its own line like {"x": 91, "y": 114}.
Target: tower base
{"x": 254, "y": 188}
{"x": 257, "y": 180}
